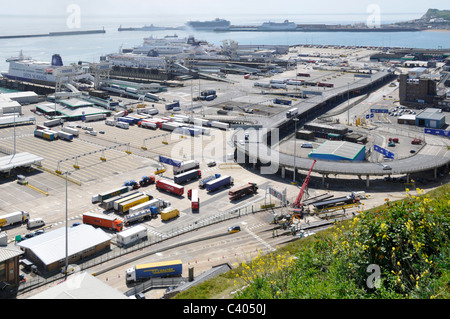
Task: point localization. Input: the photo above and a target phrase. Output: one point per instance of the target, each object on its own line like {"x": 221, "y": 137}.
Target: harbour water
{"x": 90, "y": 47}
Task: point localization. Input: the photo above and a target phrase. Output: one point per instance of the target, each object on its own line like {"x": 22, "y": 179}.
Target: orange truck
{"x": 104, "y": 221}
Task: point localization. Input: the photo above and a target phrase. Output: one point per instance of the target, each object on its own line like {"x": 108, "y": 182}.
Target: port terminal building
{"x": 47, "y": 251}
{"x": 339, "y": 151}
{"x": 71, "y": 109}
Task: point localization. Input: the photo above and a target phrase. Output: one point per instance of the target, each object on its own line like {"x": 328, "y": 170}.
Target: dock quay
{"x": 52, "y": 34}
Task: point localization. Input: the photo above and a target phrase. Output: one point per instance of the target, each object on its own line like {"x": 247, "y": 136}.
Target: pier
{"x": 52, "y": 34}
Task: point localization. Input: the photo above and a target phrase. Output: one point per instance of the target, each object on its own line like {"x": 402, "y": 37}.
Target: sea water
{"x": 90, "y": 47}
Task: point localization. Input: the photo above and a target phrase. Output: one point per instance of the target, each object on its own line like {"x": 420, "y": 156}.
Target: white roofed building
{"x": 48, "y": 251}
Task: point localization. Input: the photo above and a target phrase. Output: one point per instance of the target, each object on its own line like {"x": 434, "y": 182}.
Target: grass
{"x": 396, "y": 251}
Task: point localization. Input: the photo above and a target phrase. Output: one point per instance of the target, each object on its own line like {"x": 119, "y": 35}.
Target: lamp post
{"x": 295, "y": 147}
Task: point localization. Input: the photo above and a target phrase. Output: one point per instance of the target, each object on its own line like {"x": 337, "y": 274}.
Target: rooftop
{"x": 341, "y": 149}
{"x": 50, "y": 247}
{"x": 431, "y": 114}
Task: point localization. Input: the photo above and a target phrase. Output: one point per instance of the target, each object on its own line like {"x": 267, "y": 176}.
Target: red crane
{"x": 297, "y": 203}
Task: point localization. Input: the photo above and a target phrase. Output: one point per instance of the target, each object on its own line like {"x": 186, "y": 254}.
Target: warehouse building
{"x": 9, "y": 266}
{"x": 48, "y": 251}
{"x": 339, "y": 151}
{"x": 409, "y": 119}
{"x": 431, "y": 118}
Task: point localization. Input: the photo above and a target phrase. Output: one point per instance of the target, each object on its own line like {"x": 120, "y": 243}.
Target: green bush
{"x": 406, "y": 241}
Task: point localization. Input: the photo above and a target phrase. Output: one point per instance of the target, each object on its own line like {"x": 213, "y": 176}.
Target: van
{"x": 307, "y": 145}
{"x": 35, "y": 222}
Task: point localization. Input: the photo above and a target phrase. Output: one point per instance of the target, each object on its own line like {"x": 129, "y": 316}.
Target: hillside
{"x": 436, "y": 14}
{"x": 397, "y": 251}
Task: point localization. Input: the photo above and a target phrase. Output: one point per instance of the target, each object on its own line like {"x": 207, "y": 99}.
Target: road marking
{"x": 259, "y": 239}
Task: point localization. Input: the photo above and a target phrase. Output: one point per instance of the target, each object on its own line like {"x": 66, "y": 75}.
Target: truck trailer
{"x": 132, "y": 235}
{"x": 186, "y": 166}
{"x": 104, "y": 221}
{"x": 203, "y": 181}
{"x": 143, "y": 272}
{"x": 141, "y": 215}
{"x": 10, "y": 219}
{"x": 109, "y": 194}
{"x": 187, "y": 176}
{"x": 125, "y": 206}
{"x": 125, "y": 199}
{"x": 169, "y": 213}
{"x": 193, "y": 196}
{"x": 65, "y": 136}
{"x": 170, "y": 187}
{"x": 109, "y": 203}
{"x": 218, "y": 183}
{"x": 242, "y": 191}
{"x": 71, "y": 130}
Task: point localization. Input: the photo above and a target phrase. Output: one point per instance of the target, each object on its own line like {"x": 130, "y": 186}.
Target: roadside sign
{"x": 169, "y": 161}
{"x": 383, "y": 151}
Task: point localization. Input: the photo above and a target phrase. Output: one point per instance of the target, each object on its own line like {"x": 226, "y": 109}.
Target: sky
{"x": 216, "y": 8}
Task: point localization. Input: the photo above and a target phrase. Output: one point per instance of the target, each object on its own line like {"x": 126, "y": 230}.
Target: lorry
{"x": 281, "y": 101}
{"x": 104, "y": 221}
{"x": 132, "y": 235}
{"x": 71, "y": 130}
{"x": 110, "y": 122}
{"x": 193, "y": 196}
{"x": 242, "y": 191}
{"x": 186, "y": 166}
{"x": 169, "y": 213}
{"x": 141, "y": 215}
{"x": 172, "y": 105}
{"x": 65, "y": 136}
{"x": 187, "y": 176}
{"x": 109, "y": 194}
{"x": 143, "y": 272}
{"x": 170, "y": 187}
{"x": 146, "y": 180}
{"x": 291, "y": 112}
{"x": 54, "y": 122}
{"x": 158, "y": 203}
{"x": 109, "y": 203}
{"x": 17, "y": 217}
{"x": 203, "y": 181}
{"x": 218, "y": 183}
{"x": 147, "y": 124}
{"x": 122, "y": 125}
{"x": 35, "y": 222}
{"x": 45, "y": 135}
{"x": 94, "y": 117}
{"x": 125, "y": 206}
{"x": 220, "y": 125}
{"x": 125, "y": 199}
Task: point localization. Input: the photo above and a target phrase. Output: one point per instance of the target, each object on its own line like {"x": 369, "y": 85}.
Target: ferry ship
{"x": 26, "y": 69}
{"x": 136, "y": 61}
{"x": 278, "y": 26}
{"x": 217, "y": 24}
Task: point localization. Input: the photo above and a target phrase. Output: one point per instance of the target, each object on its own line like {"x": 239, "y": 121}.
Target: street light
{"x": 295, "y": 148}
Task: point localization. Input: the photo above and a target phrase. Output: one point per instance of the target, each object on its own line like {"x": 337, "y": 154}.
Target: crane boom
{"x": 297, "y": 203}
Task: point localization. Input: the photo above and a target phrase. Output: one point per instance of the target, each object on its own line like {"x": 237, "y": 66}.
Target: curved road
{"x": 433, "y": 155}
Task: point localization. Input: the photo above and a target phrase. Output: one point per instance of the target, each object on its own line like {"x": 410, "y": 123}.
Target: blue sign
{"x": 437, "y": 132}
{"x": 379, "y": 110}
{"x": 383, "y": 151}
{"x": 169, "y": 161}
